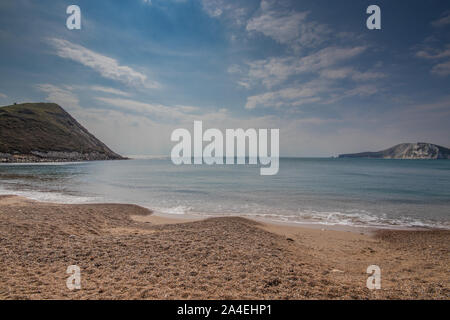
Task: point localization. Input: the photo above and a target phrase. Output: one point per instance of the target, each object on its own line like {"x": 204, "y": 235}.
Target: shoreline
{"x": 158, "y": 217}
{"x": 127, "y": 252}
{"x": 358, "y": 228}
{"x": 404, "y": 210}
{"x": 43, "y": 161}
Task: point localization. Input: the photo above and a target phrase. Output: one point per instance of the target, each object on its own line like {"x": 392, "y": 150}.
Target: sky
{"x": 139, "y": 69}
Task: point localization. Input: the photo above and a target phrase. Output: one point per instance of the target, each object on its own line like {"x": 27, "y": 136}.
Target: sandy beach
{"x": 126, "y": 252}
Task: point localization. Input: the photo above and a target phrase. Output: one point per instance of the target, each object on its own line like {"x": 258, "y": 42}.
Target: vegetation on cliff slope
{"x": 46, "y": 132}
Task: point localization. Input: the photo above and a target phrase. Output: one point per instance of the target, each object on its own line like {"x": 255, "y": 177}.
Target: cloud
{"x": 148, "y": 109}
{"x": 237, "y": 70}
{"x": 442, "y": 68}
{"x": 244, "y": 83}
{"x": 3, "y": 95}
{"x": 364, "y": 90}
{"x": 432, "y": 53}
{"x": 287, "y": 26}
{"x": 107, "y": 67}
{"x": 187, "y": 109}
{"x": 60, "y": 95}
{"x": 163, "y": 113}
{"x": 443, "y": 21}
{"x": 274, "y": 71}
{"x": 110, "y": 90}
{"x": 290, "y": 97}
{"x": 351, "y": 73}
{"x": 312, "y": 67}
{"x": 234, "y": 69}
{"x": 226, "y": 9}
{"x": 213, "y": 7}
{"x": 130, "y": 133}
{"x": 280, "y": 27}
{"x": 311, "y": 53}
{"x": 318, "y": 91}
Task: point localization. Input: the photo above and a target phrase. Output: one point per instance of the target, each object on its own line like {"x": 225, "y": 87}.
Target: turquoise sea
{"x": 367, "y": 192}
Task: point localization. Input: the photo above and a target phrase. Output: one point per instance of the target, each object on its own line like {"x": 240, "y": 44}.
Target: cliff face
{"x": 420, "y": 150}
{"x": 35, "y": 132}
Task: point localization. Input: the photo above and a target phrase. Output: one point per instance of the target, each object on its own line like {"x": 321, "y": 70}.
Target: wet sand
{"x": 126, "y": 252}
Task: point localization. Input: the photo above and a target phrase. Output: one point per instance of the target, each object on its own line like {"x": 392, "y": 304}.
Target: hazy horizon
{"x": 138, "y": 70}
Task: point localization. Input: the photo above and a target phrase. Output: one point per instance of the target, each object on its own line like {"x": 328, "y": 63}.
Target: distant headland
{"x": 45, "y": 132}
{"x": 419, "y": 150}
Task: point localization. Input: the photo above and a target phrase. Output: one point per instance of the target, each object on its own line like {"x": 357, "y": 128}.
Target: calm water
{"x": 328, "y": 191}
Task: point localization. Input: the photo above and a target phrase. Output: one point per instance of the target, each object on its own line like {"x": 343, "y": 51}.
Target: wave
{"x": 55, "y": 197}
{"x": 178, "y": 210}
{"x": 355, "y": 218}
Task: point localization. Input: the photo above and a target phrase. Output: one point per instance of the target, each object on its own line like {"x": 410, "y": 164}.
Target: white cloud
{"x": 280, "y": 27}
{"x": 287, "y": 26}
{"x": 291, "y": 96}
{"x": 107, "y": 67}
{"x": 3, "y": 95}
{"x": 322, "y": 66}
{"x": 317, "y": 91}
{"x": 187, "y": 109}
{"x": 225, "y": 9}
{"x": 60, "y": 95}
{"x": 164, "y": 113}
{"x": 234, "y": 68}
{"x": 244, "y": 83}
{"x": 274, "y": 71}
{"x": 237, "y": 70}
{"x": 110, "y": 90}
{"x": 351, "y": 73}
{"x": 148, "y": 109}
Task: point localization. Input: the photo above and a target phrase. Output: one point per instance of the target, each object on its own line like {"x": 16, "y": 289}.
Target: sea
{"x": 324, "y": 191}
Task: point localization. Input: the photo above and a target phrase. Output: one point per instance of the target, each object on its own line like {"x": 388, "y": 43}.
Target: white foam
{"x": 335, "y": 218}
{"x": 179, "y": 210}
{"x": 54, "y": 197}
{"x": 358, "y": 218}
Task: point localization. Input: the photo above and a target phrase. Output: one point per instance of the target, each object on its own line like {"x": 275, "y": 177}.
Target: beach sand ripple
{"x": 124, "y": 255}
